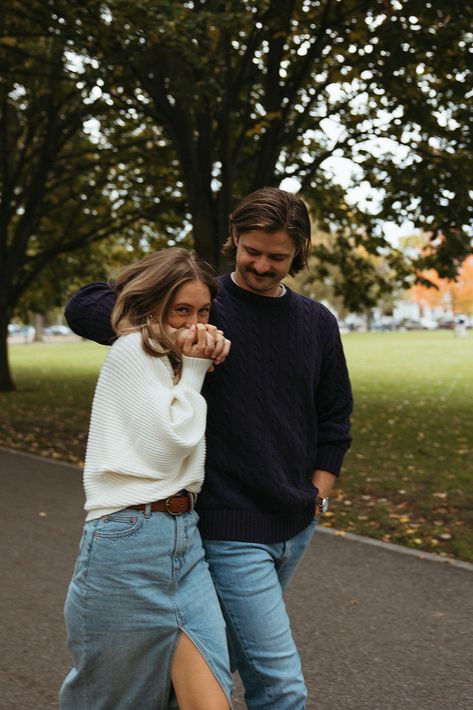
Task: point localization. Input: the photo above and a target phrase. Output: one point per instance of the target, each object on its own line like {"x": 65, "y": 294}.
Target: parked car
{"x": 446, "y": 324}
{"x": 428, "y": 323}
{"x": 383, "y": 325}
{"x": 57, "y": 330}
{"x": 21, "y": 333}
{"x": 409, "y": 324}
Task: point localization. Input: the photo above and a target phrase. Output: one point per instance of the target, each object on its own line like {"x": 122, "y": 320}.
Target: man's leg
{"x": 249, "y": 578}
{"x": 295, "y": 549}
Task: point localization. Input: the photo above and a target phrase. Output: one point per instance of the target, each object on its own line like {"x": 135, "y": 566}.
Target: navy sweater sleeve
{"x": 89, "y": 310}
{"x": 335, "y": 405}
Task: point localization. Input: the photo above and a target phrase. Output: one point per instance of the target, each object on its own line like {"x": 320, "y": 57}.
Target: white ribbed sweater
{"x": 146, "y": 438}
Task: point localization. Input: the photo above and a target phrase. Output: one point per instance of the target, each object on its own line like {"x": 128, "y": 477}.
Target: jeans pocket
{"x": 119, "y": 525}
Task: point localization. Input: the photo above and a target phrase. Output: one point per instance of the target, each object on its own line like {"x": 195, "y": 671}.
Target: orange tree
{"x": 457, "y": 295}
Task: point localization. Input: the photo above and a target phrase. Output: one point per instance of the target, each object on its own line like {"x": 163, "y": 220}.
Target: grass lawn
{"x": 408, "y": 477}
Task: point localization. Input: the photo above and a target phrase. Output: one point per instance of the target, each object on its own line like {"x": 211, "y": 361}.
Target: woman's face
{"x": 190, "y": 305}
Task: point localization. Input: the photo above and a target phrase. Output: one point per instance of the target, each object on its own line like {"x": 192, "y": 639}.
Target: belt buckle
{"x": 168, "y": 503}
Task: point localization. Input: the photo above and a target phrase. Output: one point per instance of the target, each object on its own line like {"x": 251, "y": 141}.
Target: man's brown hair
{"x": 272, "y": 210}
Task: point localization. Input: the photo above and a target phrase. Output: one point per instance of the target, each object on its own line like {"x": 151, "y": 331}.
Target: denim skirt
{"x": 139, "y": 581}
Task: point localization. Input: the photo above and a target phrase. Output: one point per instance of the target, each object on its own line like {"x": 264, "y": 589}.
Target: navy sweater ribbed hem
{"x": 253, "y": 526}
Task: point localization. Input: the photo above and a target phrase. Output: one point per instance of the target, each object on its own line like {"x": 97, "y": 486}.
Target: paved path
{"x": 377, "y": 629}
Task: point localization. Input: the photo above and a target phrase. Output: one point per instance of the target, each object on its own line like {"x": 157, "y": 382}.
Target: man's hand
{"x": 221, "y": 345}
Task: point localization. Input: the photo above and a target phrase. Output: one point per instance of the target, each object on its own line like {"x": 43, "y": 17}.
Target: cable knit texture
{"x": 146, "y": 438}
{"x": 278, "y": 408}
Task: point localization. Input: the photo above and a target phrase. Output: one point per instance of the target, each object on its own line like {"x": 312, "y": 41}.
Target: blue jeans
{"x": 140, "y": 580}
{"x": 250, "y": 579}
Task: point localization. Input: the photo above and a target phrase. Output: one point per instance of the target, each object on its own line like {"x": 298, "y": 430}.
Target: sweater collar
{"x": 254, "y": 298}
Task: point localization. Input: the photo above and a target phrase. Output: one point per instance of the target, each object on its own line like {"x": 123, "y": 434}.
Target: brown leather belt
{"x": 174, "y": 505}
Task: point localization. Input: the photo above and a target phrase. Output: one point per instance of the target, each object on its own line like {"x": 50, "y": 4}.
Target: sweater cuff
{"x": 194, "y": 370}
{"x": 330, "y": 458}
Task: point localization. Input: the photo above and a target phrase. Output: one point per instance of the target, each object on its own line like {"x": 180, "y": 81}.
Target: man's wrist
{"x": 323, "y": 481}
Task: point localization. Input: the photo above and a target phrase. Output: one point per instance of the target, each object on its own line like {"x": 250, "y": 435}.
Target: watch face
{"x": 323, "y": 505}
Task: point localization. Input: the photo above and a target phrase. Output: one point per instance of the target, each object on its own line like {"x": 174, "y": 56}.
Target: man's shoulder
{"x": 315, "y": 307}
{"x": 88, "y": 312}
{"x": 93, "y": 294}
{"x": 223, "y": 280}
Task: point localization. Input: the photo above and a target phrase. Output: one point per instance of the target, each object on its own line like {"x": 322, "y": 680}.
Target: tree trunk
{"x": 207, "y": 240}
{"x": 37, "y": 320}
{"x": 6, "y": 380}
{"x": 211, "y": 230}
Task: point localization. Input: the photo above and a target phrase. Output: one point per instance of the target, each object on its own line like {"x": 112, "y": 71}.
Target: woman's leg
{"x": 195, "y": 685}
{"x": 140, "y": 584}
{"x": 120, "y": 618}
{"x": 200, "y": 670}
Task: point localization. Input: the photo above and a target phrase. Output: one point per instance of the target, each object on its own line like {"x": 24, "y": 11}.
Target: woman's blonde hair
{"x": 148, "y": 287}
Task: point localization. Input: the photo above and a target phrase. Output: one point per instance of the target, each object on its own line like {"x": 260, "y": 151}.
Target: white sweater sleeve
{"x": 158, "y": 422}
{"x": 177, "y": 415}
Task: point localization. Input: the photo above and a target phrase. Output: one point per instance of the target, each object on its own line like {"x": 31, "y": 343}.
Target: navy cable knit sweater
{"x": 278, "y": 408}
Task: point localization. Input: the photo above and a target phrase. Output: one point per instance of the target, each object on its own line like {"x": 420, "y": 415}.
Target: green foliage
{"x": 351, "y": 277}
{"x": 242, "y": 94}
{"x": 63, "y": 185}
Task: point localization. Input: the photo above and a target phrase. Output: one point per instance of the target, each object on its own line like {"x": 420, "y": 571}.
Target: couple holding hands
{"x": 219, "y": 425}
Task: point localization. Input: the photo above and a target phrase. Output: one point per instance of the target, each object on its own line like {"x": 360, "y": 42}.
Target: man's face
{"x": 263, "y": 259}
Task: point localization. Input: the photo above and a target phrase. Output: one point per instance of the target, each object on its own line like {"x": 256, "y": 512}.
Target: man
{"x": 277, "y": 432}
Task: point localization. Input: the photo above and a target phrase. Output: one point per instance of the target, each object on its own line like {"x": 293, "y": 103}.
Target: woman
{"x": 141, "y": 612}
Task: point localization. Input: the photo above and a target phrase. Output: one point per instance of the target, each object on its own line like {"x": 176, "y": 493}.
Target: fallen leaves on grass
{"x": 399, "y": 519}
{"x": 50, "y": 438}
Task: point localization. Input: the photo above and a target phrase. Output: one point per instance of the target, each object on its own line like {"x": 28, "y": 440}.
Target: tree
{"x": 62, "y": 187}
{"x": 456, "y": 296}
{"x": 140, "y": 119}
{"x": 244, "y": 92}
{"x": 344, "y": 272}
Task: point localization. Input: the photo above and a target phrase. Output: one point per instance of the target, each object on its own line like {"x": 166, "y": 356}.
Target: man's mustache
{"x": 256, "y": 273}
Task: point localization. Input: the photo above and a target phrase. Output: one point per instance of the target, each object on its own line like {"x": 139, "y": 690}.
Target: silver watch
{"x": 323, "y": 504}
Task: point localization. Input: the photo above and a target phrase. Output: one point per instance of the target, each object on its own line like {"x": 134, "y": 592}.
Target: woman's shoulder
{"x": 126, "y": 346}
{"x": 128, "y": 341}
{"x": 127, "y": 352}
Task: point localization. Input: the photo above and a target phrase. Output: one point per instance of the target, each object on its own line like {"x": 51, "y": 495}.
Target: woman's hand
{"x": 204, "y": 341}
{"x": 196, "y": 342}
